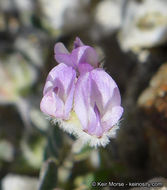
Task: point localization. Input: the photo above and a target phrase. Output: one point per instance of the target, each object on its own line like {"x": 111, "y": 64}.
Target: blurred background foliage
{"x": 130, "y": 37}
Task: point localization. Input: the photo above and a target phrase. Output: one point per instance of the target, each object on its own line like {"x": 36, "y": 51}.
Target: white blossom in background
{"x": 108, "y": 15}
{"x": 144, "y": 24}
{"x": 64, "y": 14}
{"x": 32, "y": 44}
{"x": 24, "y": 5}
{"x": 17, "y": 182}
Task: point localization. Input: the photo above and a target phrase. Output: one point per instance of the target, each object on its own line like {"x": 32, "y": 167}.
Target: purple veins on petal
{"x": 97, "y": 102}
{"x": 96, "y": 129}
{"x": 107, "y": 96}
{"x": 58, "y": 92}
{"x": 85, "y": 54}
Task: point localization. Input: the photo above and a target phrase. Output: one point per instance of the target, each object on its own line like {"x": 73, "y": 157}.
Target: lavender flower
{"x": 58, "y": 92}
{"x": 83, "y": 98}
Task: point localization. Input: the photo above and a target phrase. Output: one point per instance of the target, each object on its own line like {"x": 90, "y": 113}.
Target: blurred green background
{"x": 130, "y": 37}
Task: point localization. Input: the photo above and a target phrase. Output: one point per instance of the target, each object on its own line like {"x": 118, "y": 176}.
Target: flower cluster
{"x": 81, "y": 96}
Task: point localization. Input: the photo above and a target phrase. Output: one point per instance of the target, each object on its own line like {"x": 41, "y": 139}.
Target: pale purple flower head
{"x": 82, "y": 96}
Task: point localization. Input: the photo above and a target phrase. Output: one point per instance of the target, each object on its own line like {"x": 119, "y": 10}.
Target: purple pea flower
{"x": 82, "y": 97}
{"x": 58, "y": 92}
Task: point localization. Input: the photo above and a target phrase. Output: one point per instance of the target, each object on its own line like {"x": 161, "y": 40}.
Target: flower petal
{"x": 69, "y": 100}
{"x": 62, "y": 76}
{"x": 107, "y": 97}
{"x": 52, "y": 105}
{"x": 85, "y": 107}
{"x": 103, "y": 88}
{"x": 82, "y": 99}
{"x": 112, "y": 117}
{"x": 97, "y": 102}
{"x": 85, "y": 54}
{"x": 78, "y": 43}
{"x": 96, "y": 127}
{"x": 62, "y": 55}
{"x": 60, "y": 48}
{"x": 84, "y": 67}
{"x": 52, "y": 76}
{"x": 61, "y": 82}
{"x": 80, "y": 54}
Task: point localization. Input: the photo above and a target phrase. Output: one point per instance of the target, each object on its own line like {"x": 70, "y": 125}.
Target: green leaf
{"x": 48, "y": 177}
{"x": 54, "y": 143}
